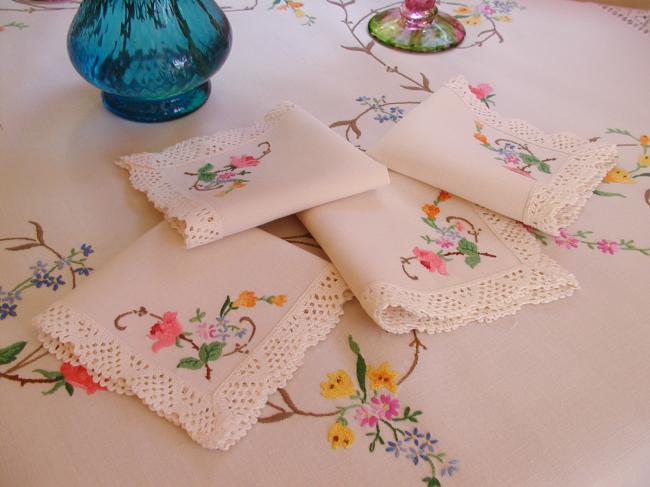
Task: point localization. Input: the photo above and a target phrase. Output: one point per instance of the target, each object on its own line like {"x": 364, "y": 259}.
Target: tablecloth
{"x": 555, "y": 395}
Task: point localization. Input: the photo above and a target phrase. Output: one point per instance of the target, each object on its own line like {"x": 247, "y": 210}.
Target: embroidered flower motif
{"x": 165, "y": 331}
{"x": 383, "y": 376}
{"x": 430, "y": 260}
{"x": 512, "y": 159}
{"x": 7, "y": 309}
{"x": 566, "y": 240}
{"x": 86, "y": 249}
{"x": 238, "y": 184}
{"x": 385, "y": 406}
{"x": 78, "y": 376}
{"x": 473, "y": 20}
{"x": 607, "y": 246}
{"x": 618, "y": 175}
{"x": 243, "y": 161}
{"x": 226, "y": 175}
{"x": 463, "y": 10}
{"x": 445, "y": 243}
{"x": 431, "y": 211}
{"x": 339, "y": 384}
{"x": 483, "y": 90}
{"x": 444, "y": 196}
{"x": 644, "y": 160}
{"x": 644, "y": 139}
{"x": 480, "y": 137}
{"x": 247, "y": 299}
{"x": 396, "y": 448}
{"x": 279, "y": 300}
{"x": 503, "y": 18}
{"x": 414, "y": 435}
{"x": 340, "y": 436}
{"x": 365, "y": 417}
{"x": 207, "y": 331}
{"x": 427, "y": 442}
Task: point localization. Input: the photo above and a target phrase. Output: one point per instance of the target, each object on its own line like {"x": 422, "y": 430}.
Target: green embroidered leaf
{"x": 353, "y": 345}
{"x": 604, "y": 193}
{"x": 433, "y": 482}
{"x": 466, "y": 247}
{"x": 49, "y": 374}
{"x": 544, "y": 167}
{"x": 529, "y": 159}
{"x": 226, "y": 305}
{"x": 189, "y": 363}
{"x": 361, "y": 366}
{"x": 209, "y": 352}
{"x": 472, "y": 260}
{"x": 178, "y": 342}
{"x": 342, "y": 420}
{"x": 641, "y": 175}
{"x": 69, "y": 389}
{"x": 9, "y": 354}
{"x": 204, "y": 173}
{"x": 58, "y": 385}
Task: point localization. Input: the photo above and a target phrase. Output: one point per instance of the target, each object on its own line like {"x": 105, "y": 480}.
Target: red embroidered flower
{"x": 165, "y": 331}
{"x": 430, "y": 260}
{"x": 78, "y": 376}
{"x": 444, "y": 196}
{"x": 243, "y": 161}
{"x": 482, "y": 90}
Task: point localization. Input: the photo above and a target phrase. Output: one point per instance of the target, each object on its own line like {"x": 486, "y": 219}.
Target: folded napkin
{"x": 453, "y": 141}
{"x": 213, "y": 186}
{"x": 418, "y": 258}
{"x": 201, "y": 337}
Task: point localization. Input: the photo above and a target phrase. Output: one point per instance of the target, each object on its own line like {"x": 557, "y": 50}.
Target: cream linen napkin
{"x": 418, "y": 258}
{"x": 214, "y": 186}
{"x": 453, "y": 141}
{"x": 201, "y": 337}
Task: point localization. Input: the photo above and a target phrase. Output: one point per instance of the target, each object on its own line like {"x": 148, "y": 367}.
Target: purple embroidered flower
{"x": 365, "y": 417}
{"x": 84, "y": 271}
{"x": 607, "y": 246}
{"x": 241, "y": 332}
{"x": 385, "y": 406}
{"x": 207, "y": 331}
{"x": 86, "y": 249}
{"x": 396, "y": 448}
{"x": 413, "y": 435}
{"x": 485, "y": 9}
{"x": 449, "y": 468}
{"x": 566, "y": 240}
{"x": 415, "y": 455}
{"x": 512, "y": 159}
{"x": 445, "y": 243}
{"x": 427, "y": 442}
{"x": 39, "y": 268}
{"x": 7, "y": 309}
{"x": 10, "y": 296}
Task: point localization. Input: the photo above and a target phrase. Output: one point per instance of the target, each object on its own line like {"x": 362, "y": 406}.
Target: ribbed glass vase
{"x": 152, "y": 59}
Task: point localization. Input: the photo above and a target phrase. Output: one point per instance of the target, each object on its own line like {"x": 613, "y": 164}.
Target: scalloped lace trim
{"x": 215, "y": 420}
{"x": 637, "y": 18}
{"x": 537, "y": 280}
{"x": 199, "y": 224}
{"x": 557, "y": 203}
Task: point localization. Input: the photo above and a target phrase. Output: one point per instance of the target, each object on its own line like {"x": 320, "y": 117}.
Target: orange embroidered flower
{"x": 431, "y": 211}
{"x": 246, "y": 299}
{"x": 338, "y": 384}
{"x": 295, "y": 4}
{"x": 618, "y": 175}
{"x": 238, "y": 184}
{"x": 279, "y": 300}
{"x": 644, "y": 139}
{"x": 480, "y": 137}
{"x": 444, "y": 196}
{"x": 78, "y": 376}
{"x": 339, "y": 435}
{"x": 383, "y": 376}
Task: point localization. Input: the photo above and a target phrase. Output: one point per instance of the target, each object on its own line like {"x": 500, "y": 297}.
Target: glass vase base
{"x": 391, "y": 29}
{"x": 153, "y": 111}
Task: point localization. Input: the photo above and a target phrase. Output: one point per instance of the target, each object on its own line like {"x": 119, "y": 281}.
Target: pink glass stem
{"x": 418, "y": 13}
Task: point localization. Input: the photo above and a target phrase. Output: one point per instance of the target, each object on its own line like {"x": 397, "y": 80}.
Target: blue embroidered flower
{"x": 47, "y": 280}
{"x": 449, "y": 468}
{"x": 396, "y": 448}
{"x": 7, "y": 309}
{"x": 413, "y": 435}
{"x": 10, "y": 296}
{"x": 426, "y": 443}
{"x": 415, "y": 455}
{"x": 84, "y": 271}
{"x": 39, "y": 268}
{"x": 87, "y": 249}
{"x": 241, "y": 333}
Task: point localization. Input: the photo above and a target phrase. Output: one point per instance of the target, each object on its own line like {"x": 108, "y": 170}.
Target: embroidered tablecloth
{"x": 555, "y": 395}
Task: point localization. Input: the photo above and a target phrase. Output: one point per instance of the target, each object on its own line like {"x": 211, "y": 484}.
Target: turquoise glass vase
{"x": 152, "y": 59}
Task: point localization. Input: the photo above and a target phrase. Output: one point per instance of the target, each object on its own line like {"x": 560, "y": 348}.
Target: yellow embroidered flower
{"x": 339, "y": 435}
{"x": 431, "y": 211}
{"x": 473, "y": 20}
{"x": 644, "y": 139}
{"x": 238, "y": 184}
{"x": 383, "y": 376}
{"x": 463, "y": 10}
{"x": 644, "y": 160}
{"x": 618, "y": 175}
{"x": 279, "y": 300}
{"x": 299, "y": 13}
{"x": 246, "y": 299}
{"x": 339, "y": 384}
{"x": 503, "y": 18}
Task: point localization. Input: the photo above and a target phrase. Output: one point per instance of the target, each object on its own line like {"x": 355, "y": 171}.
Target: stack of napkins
{"x": 204, "y": 336}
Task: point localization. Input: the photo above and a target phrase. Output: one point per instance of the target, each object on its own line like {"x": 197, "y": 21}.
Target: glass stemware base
{"x": 151, "y": 110}
{"x": 438, "y": 32}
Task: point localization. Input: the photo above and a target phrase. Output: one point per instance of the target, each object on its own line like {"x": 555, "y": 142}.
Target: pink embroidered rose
{"x": 566, "y": 240}
{"x": 385, "y": 406}
{"x": 607, "y": 246}
{"x": 226, "y": 175}
{"x": 207, "y": 331}
{"x": 486, "y": 9}
{"x": 430, "y": 260}
{"x": 365, "y": 417}
{"x": 243, "y": 161}
{"x": 165, "y": 331}
{"x": 78, "y": 376}
{"x": 482, "y": 90}
{"x": 512, "y": 159}
{"x": 445, "y": 243}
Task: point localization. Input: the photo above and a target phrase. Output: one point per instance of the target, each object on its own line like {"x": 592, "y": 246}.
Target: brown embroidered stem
{"x": 407, "y": 260}
{"x": 208, "y": 369}
{"x": 26, "y": 380}
{"x": 352, "y": 123}
{"x": 142, "y": 311}
{"x": 485, "y": 254}
{"x": 416, "y": 344}
{"x": 474, "y": 231}
{"x": 242, "y": 348}
{"x": 293, "y": 409}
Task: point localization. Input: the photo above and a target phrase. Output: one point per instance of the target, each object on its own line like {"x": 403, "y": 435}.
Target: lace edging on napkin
{"x": 538, "y": 279}
{"x": 557, "y": 203}
{"x": 637, "y": 18}
{"x": 218, "y": 420}
{"x": 197, "y": 223}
